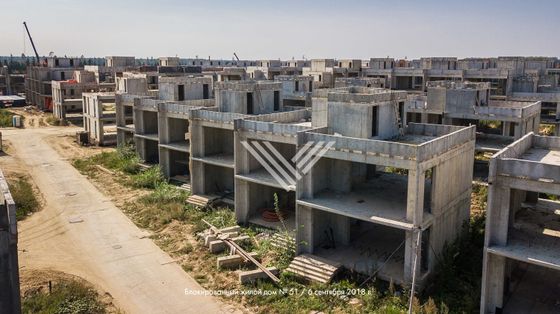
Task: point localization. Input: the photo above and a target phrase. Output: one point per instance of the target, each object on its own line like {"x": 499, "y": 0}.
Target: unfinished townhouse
{"x": 270, "y": 69}
{"x": 255, "y": 187}
{"x": 99, "y": 118}
{"x": 169, "y": 61}
{"x": 38, "y": 79}
{"x": 322, "y": 72}
{"x": 9, "y": 270}
{"x": 180, "y": 91}
{"x": 521, "y": 253}
{"x": 212, "y": 136}
{"x": 510, "y": 78}
{"x": 296, "y": 90}
{"x": 379, "y": 200}
{"x": 412, "y": 76}
{"x": 67, "y": 94}
{"x": 129, "y": 87}
{"x": 498, "y": 122}
{"x": 348, "y": 68}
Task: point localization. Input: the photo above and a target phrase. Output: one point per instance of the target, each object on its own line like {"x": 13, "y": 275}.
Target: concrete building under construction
{"x": 521, "y": 267}
{"x": 499, "y": 122}
{"x": 351, "y": 200}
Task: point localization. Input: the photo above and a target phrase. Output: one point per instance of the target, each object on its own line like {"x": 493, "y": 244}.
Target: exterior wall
{"x": 9, "y": 270}
{"x": 233, "y": 97}
{"x": 193, "y": 88}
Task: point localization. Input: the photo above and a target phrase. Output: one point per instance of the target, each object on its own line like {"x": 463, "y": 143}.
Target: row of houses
{"x": 390, "y": 160}
{"x": 372, "y": 146}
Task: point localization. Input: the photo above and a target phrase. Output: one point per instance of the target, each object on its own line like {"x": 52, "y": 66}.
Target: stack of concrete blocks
{"x": 521, "y": 251}
{"x": 212, "y": 139}
{"x": 297, "y": 90}
{"x": 100, "y": 118}
{"x": 255, "y": 186}
{"x": 351, "y": 201}
{"x": 9, "y": 270}
{"x": 180, "y": 91}
{"x": 464, "y": 103}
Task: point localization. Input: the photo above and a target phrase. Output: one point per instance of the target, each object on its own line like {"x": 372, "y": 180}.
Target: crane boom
{"x": 32, "y": 44}
{"x": 236, "y": 57}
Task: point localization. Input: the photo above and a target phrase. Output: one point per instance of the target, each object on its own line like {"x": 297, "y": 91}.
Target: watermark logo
{"x": 286, "y": 173}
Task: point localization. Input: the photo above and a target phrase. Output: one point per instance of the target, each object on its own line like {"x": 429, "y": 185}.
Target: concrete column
{"x": 497, "y": 222}
{"x": 342, "y": 229}
{"x": 415, "y": 197}
{"x": 242, "y": 200}
{"x": 197, "y": 177}
{"x": 304, "y": 229}
{"x": 412, "y": 254}
{"x": 517, "y": 130}
{"x": 505, "y": 128}
{"x": 165, "y": 162}
{"x": 493, "y": 275}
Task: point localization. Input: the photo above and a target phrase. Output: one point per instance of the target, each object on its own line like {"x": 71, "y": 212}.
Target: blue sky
{"x": 282, "y": 29}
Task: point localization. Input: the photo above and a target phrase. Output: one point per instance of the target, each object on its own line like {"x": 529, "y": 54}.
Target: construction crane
{"x": 32, "y": 44}
{"x": 236, "y": 57}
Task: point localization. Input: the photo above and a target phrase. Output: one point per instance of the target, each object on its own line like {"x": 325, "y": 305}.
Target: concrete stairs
{"x": 314, "y": 268}
{"x": 203, "y": 200}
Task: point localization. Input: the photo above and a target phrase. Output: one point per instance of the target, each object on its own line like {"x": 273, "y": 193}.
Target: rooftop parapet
{"x": 287, "y": 123}
{"x": 419, "y": 144}
{"x": 293, "y": 78}
{"x": 212, "y": 114}
{"x": 514, "y": 109}
{"x": 248, "y": 85}
{"x": 532, "y": 157}
{"x": 458, "y": 85}
{"x": 186, "y": 79}
{"x": 368, "y": 95}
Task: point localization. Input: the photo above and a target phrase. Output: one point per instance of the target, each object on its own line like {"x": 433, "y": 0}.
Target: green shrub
{"x": 165, "y": 193}
{"x": 149, "y": 178}
{"x": 66, "y": 298}
{"x": 123, "y": 159}
{"x": 24, "y": 197}
{"x": 5, "y": 118}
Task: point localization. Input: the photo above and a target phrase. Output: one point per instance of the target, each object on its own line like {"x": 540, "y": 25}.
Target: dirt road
{"x": 81, "y": 232}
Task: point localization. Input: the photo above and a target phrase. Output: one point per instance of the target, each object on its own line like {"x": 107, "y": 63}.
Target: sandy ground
{"x": 81, "y": 232}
